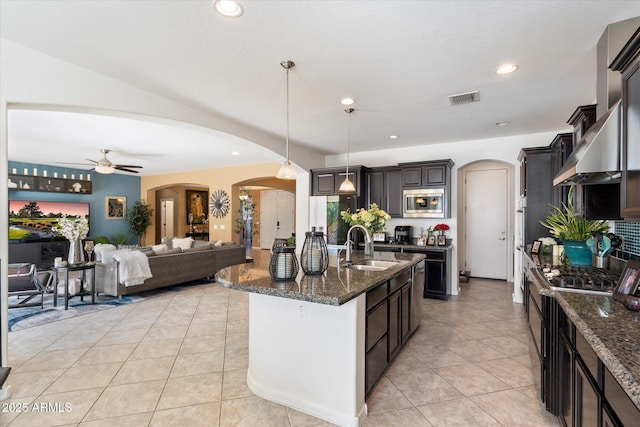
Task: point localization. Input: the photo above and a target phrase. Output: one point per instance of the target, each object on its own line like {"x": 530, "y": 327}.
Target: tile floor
{"x": 180, "y": 357}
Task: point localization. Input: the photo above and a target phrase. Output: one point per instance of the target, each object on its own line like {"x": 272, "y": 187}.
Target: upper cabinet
{"x": 384, "y": 189}
{"x": 425, "y": 174}
{"x": 326, "y": 181}
{"x": 581, "y": 120}
{"x": 628, "y": 63}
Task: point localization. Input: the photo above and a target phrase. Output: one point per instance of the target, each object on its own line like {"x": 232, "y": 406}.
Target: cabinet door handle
{"x": 502, "y": 238}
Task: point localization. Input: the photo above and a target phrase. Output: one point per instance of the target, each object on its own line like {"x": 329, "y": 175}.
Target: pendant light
{"x": 347, "y": 186}
{"x": 287, "y": 171}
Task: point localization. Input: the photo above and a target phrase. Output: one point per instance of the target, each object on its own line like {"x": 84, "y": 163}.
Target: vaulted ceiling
{"x": 400, "y": 60}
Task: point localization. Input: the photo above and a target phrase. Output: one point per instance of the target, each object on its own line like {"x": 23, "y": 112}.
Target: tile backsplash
{"x": 630, "y": 233}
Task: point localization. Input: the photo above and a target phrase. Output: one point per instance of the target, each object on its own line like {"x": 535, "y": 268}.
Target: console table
{"x": 84, "y": 268}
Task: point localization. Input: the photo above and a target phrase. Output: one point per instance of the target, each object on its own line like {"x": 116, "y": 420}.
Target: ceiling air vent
{"x": 464, "y": 98}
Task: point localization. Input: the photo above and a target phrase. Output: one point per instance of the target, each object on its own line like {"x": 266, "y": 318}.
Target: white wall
{"x": 504, "y": 149}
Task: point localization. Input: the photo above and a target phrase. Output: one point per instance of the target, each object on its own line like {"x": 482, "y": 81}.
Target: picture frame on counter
{"x": 422, "y": 241}
{"x": 442, "y": 240}
{"x": 535, "y": 247}
{"x": 628, "y": 284}
{"x": 431, "y": 240}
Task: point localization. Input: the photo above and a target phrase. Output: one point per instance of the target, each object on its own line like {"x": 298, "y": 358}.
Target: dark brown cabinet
{"x": 561, "y": 148}
{"x": 589, "y": 395}
{"x": 536, "y": 178}
{"x": 581, "y": 120}
{"x": 384, "y": 189}
{"x": 417, "y": 175}
{"x": 393, "y": 314}
{"x": 587, "y": 400}
{"x": 326, "y": 182}
{"x": 628, "y": 63}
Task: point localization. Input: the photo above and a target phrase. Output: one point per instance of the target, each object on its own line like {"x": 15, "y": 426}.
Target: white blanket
{"x": 133, "y": 267}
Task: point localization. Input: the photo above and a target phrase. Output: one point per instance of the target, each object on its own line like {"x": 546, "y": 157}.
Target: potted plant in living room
{"x": 573, "y": 231}
{"x": 139, "y": 218}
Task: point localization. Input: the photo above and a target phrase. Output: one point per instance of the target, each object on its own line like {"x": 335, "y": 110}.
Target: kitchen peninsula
{"x": 315, "y": 342}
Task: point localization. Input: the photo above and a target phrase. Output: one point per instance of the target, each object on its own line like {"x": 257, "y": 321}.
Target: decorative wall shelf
{"x": 48, "y": 185}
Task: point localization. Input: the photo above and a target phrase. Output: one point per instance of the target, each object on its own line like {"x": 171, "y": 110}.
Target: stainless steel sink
{"x": 378, "y": 263}
{"x": 365, "y": 267}
{"x": 373, "y": 265}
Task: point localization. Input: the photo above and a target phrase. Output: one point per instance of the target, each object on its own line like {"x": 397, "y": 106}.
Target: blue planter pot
{"x": 577, "y": 252}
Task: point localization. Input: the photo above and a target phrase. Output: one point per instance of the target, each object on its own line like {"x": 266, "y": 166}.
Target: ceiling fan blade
{"x": 73, "y": 163}
{"x": 128, "y": 166}
{"x": 124, "y": 169}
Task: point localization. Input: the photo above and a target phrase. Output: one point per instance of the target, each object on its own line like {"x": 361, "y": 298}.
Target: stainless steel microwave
{"x": 425, "y": 203}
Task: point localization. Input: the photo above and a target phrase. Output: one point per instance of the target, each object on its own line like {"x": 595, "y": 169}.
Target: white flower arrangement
{"x": 73, "y": 229}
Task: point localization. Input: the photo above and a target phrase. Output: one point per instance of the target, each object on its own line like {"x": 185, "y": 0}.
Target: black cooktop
{"x": 573, "y": 278}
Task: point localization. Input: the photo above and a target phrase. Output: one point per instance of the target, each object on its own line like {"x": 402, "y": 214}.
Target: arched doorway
{"x": 262, "y": 235}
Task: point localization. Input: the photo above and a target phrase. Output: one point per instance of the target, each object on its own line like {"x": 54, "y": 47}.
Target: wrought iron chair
{"x": 25, "y": 281}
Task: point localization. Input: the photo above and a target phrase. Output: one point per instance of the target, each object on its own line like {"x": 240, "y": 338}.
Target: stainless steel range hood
{"x": 596, "y": 158}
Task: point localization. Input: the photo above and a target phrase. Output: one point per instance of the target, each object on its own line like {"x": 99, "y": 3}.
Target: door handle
{"x": 502, "y": 238}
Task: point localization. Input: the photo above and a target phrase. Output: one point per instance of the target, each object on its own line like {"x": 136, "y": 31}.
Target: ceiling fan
{"x": 105, "y": 166}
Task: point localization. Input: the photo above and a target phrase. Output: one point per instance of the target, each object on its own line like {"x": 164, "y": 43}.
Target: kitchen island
{"x": 307, "y": 337}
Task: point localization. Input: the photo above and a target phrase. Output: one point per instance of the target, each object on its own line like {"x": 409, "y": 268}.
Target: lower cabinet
{"x": 587, "y": 399}
{"x": 393, "y": 314}
{"x": 589, "y": 395}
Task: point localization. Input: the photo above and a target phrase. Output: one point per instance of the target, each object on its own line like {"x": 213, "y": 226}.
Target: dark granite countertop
{"x": 612, "y": 331}
{"x": 412, "y": 247}
{"x": 336, "y": 286}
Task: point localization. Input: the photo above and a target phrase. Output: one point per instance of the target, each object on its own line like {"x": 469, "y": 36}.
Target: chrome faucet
{"x": 349, "y": 242}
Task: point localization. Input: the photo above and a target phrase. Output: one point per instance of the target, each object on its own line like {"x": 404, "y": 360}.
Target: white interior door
{"x": 486, "y": 201}
{"x": 167, "y": 217}
{"x": 277, "y": 215}
{"x": 286, "y": 214}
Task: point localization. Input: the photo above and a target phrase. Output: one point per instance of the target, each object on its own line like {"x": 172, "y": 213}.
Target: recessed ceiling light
{"x": 393, "y": 136}
{"x": 506, "y": 69}
{"x": 501, "y": 123}
{"x": 228, "y": 8}
{"x": 347, "y": 101}
{"x": 235, "y": 153}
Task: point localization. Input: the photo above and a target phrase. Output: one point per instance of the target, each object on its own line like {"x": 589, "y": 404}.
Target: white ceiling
{"x": 399, "y": 60}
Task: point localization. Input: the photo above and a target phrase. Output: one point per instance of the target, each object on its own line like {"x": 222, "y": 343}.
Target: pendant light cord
{"x": 349, "y": 111}
{"x": 287, "y": 121}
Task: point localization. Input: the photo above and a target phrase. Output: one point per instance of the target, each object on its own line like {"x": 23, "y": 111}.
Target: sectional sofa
{"x": 171, "y": 267}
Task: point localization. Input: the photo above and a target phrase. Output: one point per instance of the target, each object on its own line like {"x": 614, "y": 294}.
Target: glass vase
{"x": 76, "y": 254}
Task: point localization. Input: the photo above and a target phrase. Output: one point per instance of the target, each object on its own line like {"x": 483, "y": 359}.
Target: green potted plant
{"x": 573, "y": 231}
{"x": 139, "y": 218}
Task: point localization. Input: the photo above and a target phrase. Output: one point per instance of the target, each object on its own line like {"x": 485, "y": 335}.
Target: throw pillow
{"x": 185, "y": 243}
{"x": 167, "y": 241}
{"x": 172, "y": 251}
{"x": 197, "y": 248}
{"x": 218, "y": 243}
{"x": 159, "y": 249}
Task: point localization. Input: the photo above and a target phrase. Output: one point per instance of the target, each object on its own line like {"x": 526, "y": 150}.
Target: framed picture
{"x": 535, "y": 248}
{"x": 422, "y": 241}
{"x": 116, "y": 207}
{"x": 431, "y": 240}
{"x": 628, "y": 284}
{"x": 197, "y": 206}
{"x": 442, "y": 240}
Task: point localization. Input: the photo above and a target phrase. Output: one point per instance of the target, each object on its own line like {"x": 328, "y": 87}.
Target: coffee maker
{"x": 402, "y": 234}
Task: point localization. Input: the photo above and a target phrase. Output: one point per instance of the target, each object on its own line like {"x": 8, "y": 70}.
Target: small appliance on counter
{"x": 402, "y": 234}
{"x": 379, "y": 237}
